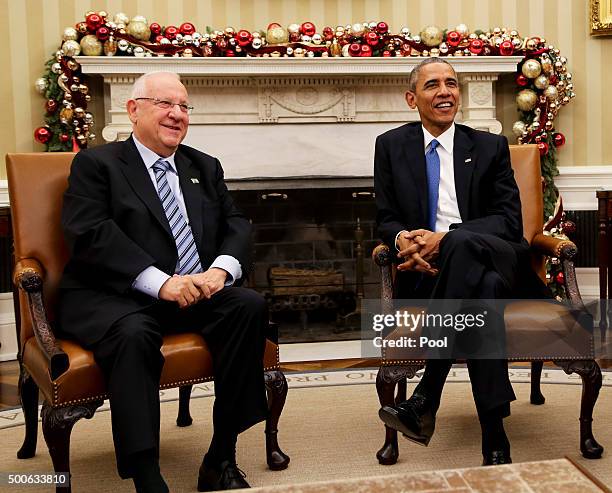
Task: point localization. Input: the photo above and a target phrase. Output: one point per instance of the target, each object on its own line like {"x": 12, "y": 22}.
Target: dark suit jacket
{"x": 487, "y": 194}
{"x": 115, "y": 227}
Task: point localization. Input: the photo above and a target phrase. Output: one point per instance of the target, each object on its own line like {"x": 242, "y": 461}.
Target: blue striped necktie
{"x": 433, "y": 182}
{"x": 188, "y": 258}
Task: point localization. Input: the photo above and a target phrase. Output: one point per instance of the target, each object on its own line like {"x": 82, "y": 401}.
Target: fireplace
{"x": 312, "y": 257}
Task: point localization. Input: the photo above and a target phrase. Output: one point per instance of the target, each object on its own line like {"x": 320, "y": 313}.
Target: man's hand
{"x": 210, "y": 282}
{"x": 181, "y": 289}
{"x": 429, "y": 241}
{"x": 418, "y": 248}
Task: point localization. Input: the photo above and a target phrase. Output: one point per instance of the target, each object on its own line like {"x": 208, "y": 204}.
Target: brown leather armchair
{"x": 527, "y": 322}
{"x": 71, "y": 383}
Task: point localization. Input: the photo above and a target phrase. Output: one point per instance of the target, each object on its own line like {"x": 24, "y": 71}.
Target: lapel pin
{"x": 195, "y": 180}
{"x": 468, "y": 160}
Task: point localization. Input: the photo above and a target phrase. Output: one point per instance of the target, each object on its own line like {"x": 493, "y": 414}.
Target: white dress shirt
{"x": 150, "y": 280}
{"x": 448, "y": 208}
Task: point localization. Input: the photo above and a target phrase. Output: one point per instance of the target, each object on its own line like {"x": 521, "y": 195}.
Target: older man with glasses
{"x": 156, "y": 242}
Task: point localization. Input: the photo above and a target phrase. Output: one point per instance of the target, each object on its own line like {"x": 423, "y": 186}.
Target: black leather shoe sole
{"x": 391, "y": 418}
{"x": 496, "y": 461}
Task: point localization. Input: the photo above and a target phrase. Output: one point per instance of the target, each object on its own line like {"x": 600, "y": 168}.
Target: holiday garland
{"x": 544, "y": 83}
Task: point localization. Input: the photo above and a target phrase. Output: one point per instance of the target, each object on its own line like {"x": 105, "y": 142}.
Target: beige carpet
{"x": 333, "y": 433}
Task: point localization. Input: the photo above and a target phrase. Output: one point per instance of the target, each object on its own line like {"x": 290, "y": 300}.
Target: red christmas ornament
{"x": 187, "y": 28}
{"x": 328, "y": 33}
{"x": 568, "y": 227}
{"x": 64, "y": 138}
{"x": 93, "y": 22}
{"x": 521, "y": 80}
{"x": 42, "y": 135}
{"x": 382, "y": 28}
{"x": 308, "y": 29}
{"x": 371, "y": 38}
{"x": 453, "y": 38}
{"x": 159, "y": 38}
{"x": 103, "y": 33}
{"x": 155, "y": 29}
{"x": 386, "y": 53}
{"x": 560, "y": 278}
{"x": 355, "y": 49}
{"x": 170, "y": 32}
{"x": 230, "y": 53}
{"x": 243, "y": 38}
{"x": 559, "y": 139}
{"x": 506, "y": 48}
{"x": 221, "y": 43}
{"x": 366, "y": 51}
{"x": 81, "y": 27}
{"x": 552, "y": 79}
{"x": 543, "y": 147}
{"x": 476, "y": 46}
{"x": 50, "y": 106}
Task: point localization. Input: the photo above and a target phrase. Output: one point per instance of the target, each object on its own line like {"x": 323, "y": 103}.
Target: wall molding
{"x": 578, "y": 185}
{"x": 4, "y": 196}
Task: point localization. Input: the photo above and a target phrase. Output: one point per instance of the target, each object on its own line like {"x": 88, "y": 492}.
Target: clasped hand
{"x": 419, "y": 249}
{"x": 188, "y": 290}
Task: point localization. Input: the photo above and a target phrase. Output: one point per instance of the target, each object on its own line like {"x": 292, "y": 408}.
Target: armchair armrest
{"x": 381, "y": 255}
{"x": 28, "y": 276}
{"x": 564, "y": 250}
{"x": 554, "y": 247}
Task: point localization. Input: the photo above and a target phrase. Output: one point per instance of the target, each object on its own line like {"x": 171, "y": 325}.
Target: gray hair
{"x": 139, "y": 89}
{"x": 416, "y": 71}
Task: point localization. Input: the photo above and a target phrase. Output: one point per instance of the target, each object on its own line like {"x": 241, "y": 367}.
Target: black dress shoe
{"x": 227, "y": 476}
{"x": 496, "y": 458}
{"x": 413, "y": 418}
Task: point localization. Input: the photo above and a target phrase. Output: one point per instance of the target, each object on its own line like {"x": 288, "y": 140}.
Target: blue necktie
{"x": 433, "y": 182}
{"x": 188, "y": 258}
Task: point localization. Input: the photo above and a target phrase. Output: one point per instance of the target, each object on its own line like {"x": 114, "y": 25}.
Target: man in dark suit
{"x": 448, "y": 202}
{"x": 156, "y": 243}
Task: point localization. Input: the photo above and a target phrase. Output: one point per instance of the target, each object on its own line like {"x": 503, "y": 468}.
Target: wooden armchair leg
{"x": 536, "y": 396}
{"x": 590, "y": 372}
{"x": 387, "y": 379}
{"x": 28, "y": 392}
{"x": 57, "y": 425}
{"x": 276, "y": 387}
{"x": 184, "y": 416}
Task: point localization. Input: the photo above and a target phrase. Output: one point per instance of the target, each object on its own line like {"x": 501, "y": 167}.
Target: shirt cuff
{"x": 230, "y": 265}
{"x": 150, "y": 281}
{"x": 397, "y": 236}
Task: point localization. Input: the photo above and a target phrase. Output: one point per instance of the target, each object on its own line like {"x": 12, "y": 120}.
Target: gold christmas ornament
{"x": 276, "y": 35}
{"x": 41, "y": 85}
{"x": 70, "y": 33}
{"x": 91, "y": 45}
{"x": 526, "y": 99}
{"x": 110, "y": 47}
{"x": 541, "y": 82}
{"x": 357, "y": 29}
{"x": 531, "y": 69}
{"x": 432, "y": 36}
{"x": 551, "y": 93}
{"x": 531, "y": 44}
{"x": 518, "y": 128}
{"x": 66, "y": 114}
{"x": 139, "y": 30}
{"x": 71, "y": 48}
{"x": 293, "y": 28}
{"x": 79, "y": 112}
{"x": 72, "y": 65}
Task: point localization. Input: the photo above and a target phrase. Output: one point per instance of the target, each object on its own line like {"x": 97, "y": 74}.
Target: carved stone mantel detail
{"x": 258, "y": 102}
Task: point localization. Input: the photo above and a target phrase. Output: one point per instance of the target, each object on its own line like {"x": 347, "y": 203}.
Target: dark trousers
{"x": 473, "y": 266}
{"x": 233, "y": 323}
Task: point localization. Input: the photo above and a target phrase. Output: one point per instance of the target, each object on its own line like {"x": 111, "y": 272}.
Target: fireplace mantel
{"x": 295, "y": 117}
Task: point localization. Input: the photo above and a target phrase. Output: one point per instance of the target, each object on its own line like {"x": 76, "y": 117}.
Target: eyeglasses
{"x": 166, "y": 105}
